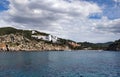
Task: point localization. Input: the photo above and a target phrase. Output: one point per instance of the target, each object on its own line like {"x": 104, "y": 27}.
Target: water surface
{"x": 60, "y": 64}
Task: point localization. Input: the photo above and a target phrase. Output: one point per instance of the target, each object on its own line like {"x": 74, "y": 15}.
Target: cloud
{"x": 112, "y": 26}
{"x": 63, "y": 18}
{"x": 36, "y": 12}
{"x": 117, "y": 0}
{"x": 48, "y": 14}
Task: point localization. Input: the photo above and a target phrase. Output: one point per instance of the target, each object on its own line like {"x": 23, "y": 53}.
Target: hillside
{"x": 25, "y": 33}
{"x": 94, "y": 46}
{"x": 16, "y": 39}
{"x": 29, "y": 40}
{"x": 115, "y": 46}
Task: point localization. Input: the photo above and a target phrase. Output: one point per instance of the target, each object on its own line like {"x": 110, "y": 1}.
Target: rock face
{"x": 114, "y": 46}
{"x": 3, "y": 46}
{"x": 17, "y": 39}
{"x": 17, "y": 42}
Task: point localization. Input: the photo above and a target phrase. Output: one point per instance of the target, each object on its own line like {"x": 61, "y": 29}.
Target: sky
{"x": 96, "y": 21}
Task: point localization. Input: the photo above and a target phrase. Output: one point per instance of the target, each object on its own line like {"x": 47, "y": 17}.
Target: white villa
{"x": 52, "y": 38}
{"x": 33, "y": 32}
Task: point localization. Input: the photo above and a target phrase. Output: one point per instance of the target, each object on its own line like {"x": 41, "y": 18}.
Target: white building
{"x": 47, "y": 38}
{"x": 33, "y": 32}
{"x": 39, "y": 37}
{"x": 54, "y": 39}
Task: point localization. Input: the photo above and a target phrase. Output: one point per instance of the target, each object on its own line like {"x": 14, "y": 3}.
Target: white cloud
{"x": 117, "y": 0}
{"x": 111, "y": 26}
{"x": 45, "y": 13}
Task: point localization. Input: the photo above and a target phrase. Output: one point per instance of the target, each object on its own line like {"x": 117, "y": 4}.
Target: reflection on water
{"x": 60, "y": 64}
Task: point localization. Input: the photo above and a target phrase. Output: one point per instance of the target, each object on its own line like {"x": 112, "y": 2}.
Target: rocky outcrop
{"x": 17, "y": 42}
{"x": 114, "y": 46}
{"x": 17, "y": 39}
{"x": 3, "y": 46}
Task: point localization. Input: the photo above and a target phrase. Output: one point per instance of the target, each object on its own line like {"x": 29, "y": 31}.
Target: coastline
{"x": 47, "y": 50}
{"x": 23, "y": 40}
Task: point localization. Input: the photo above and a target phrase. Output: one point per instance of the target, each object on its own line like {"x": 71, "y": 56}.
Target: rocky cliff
{"x": 115, "y": 46}
{"x": 15, "y": 40}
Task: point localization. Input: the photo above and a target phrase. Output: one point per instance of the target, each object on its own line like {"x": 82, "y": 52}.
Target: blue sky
{"x": 4, "y": 5}
{"x": 79, "y": 20}
{"x": 111, "y": 8}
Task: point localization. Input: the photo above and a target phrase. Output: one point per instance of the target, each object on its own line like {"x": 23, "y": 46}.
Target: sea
{"x": 82, "y": 63}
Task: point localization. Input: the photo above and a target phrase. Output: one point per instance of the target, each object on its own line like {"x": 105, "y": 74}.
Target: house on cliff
{"x": 49, "y": 37}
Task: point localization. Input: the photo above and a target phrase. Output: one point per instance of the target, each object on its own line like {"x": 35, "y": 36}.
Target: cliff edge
{"x": 12, "y": 39}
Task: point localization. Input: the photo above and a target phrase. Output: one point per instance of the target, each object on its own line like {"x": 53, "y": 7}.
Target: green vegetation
{"x": 25, "y": 33}
{"x": 10, "y": 30}
{"x": 7, "y": 30}
{"x": 115, "y": 46}
{"x": 65, "y": 41}
{"x": 41, "y": 33}
{"x": 94, "y": 46}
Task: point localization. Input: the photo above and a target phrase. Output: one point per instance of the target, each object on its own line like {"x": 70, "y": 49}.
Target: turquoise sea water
{"x": 60, "y": 64}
